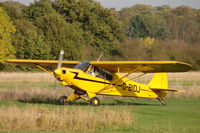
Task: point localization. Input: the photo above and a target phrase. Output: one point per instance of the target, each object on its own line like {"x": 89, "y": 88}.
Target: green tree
{"x": 29, "y": 43}
{"x": 101, "y": 29}
{"x": 38, "y": 9}
{"x": 61, "y": 35}
{"x": 13, "y": 9}
{"x": 139, "y": 9}
{"x": 148, "y": 26}
{"x": 184, "y": 24}
{"x": 6, "y": 29}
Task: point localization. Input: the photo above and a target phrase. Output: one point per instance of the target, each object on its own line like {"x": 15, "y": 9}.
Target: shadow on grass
{"x": 39, "y": 101}
{"x": 84, "y": 103}
{"x": 118, "y": 102}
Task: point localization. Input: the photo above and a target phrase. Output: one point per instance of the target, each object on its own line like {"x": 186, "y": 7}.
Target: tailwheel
{"x": 94, "y": 101}
{"x": 162, "y": 101}
{"x": 63, "y": 100}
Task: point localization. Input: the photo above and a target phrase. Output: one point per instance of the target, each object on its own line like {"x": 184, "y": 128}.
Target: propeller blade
{"x": 60, "y": 59}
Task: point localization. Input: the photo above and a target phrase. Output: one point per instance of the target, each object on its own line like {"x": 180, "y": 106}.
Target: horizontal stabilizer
{"x": 159, "y": 89}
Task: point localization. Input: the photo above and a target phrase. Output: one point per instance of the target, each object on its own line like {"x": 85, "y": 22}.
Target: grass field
{"x": 28, "y": 103}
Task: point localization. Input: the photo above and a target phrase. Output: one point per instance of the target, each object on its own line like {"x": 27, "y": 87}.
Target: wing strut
{"x": 44, "y": 69}
{"x": 135, "y": 77}
{"x": 120, "y": 78}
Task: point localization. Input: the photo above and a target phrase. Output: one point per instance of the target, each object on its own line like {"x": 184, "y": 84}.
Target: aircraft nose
{"x": 57, "y": 72}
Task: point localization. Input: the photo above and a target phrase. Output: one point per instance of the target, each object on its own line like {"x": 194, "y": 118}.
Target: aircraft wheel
{"x": 63, "y": 100}
{"x": 94, "y": 101}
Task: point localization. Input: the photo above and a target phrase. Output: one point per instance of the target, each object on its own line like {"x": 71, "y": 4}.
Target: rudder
{"x": 159, "y": 84}
{"x": 159, "y": 81}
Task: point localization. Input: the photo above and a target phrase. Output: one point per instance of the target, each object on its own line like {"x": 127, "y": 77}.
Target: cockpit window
{"x": 83, "y": 65}
{"x": 101, "y": 73}
{"x": 94, "y": 71}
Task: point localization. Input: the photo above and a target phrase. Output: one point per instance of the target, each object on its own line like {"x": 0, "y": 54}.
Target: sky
{"x": 119, "y": 4}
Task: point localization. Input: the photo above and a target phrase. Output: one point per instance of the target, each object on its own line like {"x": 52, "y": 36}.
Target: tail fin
{"x": 159, "y": 84}
{"x": 159, "y": 81}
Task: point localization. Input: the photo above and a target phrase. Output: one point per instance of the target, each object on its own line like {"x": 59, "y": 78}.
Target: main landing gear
{"x": 94, "y": 101}
{"x": 63, "y": 100}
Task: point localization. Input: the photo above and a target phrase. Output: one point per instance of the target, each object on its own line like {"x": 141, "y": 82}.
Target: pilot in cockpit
{"x": 91, "y": 71}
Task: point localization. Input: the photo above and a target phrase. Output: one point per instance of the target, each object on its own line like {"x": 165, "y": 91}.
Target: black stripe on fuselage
{"x": 76, "y": 77}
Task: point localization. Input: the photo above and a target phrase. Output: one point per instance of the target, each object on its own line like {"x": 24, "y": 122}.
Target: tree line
{"x": 84, "y": 29}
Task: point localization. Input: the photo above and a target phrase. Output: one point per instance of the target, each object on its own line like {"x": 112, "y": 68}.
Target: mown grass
{"x": 180, "y": 116}
{"x": 25, "y": 94}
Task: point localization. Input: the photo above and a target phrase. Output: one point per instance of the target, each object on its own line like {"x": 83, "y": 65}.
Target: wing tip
{"x": 187, "y": 66}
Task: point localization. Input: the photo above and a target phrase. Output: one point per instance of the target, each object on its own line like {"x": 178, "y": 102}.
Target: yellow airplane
{"x": 91, "y": 78}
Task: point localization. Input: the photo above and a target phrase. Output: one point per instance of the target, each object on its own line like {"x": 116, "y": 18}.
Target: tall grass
{"x": 34, "y": 117}
{"x": 41, "y": 118}
{"x": 32, "y": 94}
{"x": 21, "y": 77}
{"x": 175, "y": 77}
{"x": 30, "y": 87}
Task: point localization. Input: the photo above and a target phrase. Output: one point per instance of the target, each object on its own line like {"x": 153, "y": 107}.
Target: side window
{"x": 101, "y": 73}
{"x": 91, "y": 71}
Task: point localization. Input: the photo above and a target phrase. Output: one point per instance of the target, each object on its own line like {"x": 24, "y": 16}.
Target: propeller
{"x": 60, "y": 58}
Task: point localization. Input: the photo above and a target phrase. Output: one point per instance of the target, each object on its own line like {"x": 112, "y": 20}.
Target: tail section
{"x": 159, "y": 84}
{"x": 159, "y": 81}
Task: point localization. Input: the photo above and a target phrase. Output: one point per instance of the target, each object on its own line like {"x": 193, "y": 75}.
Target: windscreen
{"x": 98, "y": 72}
{"x": 83, "y": 65}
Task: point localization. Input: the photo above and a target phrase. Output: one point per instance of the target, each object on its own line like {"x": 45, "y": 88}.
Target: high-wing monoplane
{"x": 91, "y": 78}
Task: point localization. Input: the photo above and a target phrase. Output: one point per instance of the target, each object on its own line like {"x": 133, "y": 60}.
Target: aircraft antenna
{"x": 100, "y": 57}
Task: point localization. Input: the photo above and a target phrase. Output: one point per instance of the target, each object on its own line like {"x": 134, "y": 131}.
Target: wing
{"x": 114, "y": 66}
{"x": 49, "y": 64}
{"x": 144, "y": 66}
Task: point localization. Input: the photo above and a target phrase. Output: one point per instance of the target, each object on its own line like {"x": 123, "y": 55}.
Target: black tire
{"x": 62, "y": 100}
{"x": 94, "y": 101}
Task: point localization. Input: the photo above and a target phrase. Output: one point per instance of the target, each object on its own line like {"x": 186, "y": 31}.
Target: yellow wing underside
{"x": 113, "y": 66}
{"x": 147, "y": 66}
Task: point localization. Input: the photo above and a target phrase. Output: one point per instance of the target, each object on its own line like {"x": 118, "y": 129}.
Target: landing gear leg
{"x": 162, "y": 101}
{"x": 64, "y": 100}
